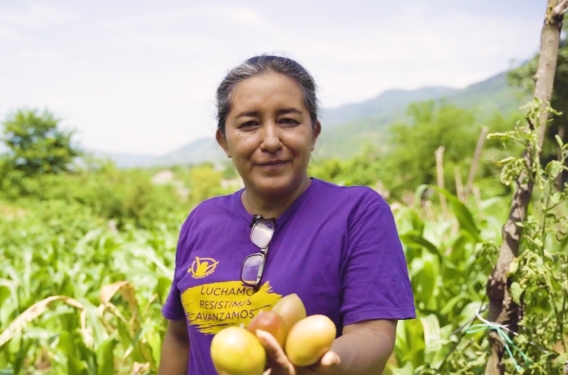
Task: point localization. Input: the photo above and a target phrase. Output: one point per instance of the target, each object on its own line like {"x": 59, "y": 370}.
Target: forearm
{"x": 364, "y": 351}
{"x": 175, "y": 356}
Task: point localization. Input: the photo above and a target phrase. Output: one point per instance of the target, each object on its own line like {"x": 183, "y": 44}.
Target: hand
{"x": 279, "y": 364}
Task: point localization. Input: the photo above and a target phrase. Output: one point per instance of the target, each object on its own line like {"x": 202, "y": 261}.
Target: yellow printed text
{"x": 212, "y": 307}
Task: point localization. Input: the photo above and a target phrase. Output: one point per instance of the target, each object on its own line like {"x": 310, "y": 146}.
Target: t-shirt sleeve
{"x": 173, "y": 308}
{"x": 376, "y": 284}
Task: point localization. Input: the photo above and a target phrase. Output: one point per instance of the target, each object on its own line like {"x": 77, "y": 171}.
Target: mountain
{"x": 348, "y": 127}
{"x": 390, "y": 101}
{"x": 198, "y": 151}
{"x": 492, "y": 94}
{"x": 123, "y": 160}
{"x": 487, "y": 96}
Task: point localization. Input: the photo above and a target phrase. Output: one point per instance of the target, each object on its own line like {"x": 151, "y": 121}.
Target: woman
{"x": 336, "y": 247}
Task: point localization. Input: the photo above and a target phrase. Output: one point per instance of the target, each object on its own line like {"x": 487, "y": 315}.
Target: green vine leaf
{"x": 513, "y": 268}
{"x": 516, "y": 292}
{"x": 554, "y": 168}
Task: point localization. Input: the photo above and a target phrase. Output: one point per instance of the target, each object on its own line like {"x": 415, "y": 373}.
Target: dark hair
{"x": 262, "y": 64}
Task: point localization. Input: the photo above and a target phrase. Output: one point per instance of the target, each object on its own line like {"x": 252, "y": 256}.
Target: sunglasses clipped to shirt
{"x": 261, "y": 233}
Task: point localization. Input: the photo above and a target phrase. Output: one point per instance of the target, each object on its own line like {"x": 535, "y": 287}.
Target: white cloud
{"x": 36, "y": 15}
{"x": 9, "y": 35}
{"x": 143, "y": 79}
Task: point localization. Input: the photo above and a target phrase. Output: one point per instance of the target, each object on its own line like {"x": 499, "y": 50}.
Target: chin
{"x": 276, "y": 185}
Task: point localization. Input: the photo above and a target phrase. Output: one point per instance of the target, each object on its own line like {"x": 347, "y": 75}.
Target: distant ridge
{"x": 198, "y": 151}
{"x": 389, "y": 101}
{"x": 348, "y": 127}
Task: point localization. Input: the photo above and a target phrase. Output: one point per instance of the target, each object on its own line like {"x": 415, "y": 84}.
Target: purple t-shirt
{"x": 336, "y": 247}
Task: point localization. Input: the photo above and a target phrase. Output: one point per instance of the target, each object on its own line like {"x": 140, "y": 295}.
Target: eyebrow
{"x": 248, "y": 114}
{"x": 283, "y": 111}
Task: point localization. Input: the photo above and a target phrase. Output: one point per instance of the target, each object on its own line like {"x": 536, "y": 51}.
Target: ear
{"x": 316, "y": 130}
{"x": 222, "y": 141}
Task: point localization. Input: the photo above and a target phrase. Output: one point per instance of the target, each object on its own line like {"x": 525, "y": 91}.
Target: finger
{"x": 327, "y": 361}
{"x": 275, "y": 353}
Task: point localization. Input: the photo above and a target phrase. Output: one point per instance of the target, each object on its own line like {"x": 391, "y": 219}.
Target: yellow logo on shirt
{"x": 202, "y": 267}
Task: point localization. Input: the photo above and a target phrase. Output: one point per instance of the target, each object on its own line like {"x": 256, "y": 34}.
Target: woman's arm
{"x": 175, "y": 351}
{"x": 364, "y": 347}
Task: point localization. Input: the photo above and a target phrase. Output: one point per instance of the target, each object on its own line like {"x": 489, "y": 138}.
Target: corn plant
{"x": 81, "y": 304}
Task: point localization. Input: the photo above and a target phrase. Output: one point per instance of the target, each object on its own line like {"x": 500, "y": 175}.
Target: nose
{"x": 271, "y": 141}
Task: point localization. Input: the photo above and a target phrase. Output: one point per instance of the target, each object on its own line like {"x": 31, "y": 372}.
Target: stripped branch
{"x": 502, "y": 309}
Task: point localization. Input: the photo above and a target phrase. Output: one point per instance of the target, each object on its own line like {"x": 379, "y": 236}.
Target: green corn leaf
{"x": 407, "y": 369}
{"x": 413, "y": 239}
{"x": 4, "y": 294}
{"x": 66, "y": 344}
{"x": 163, "y": 288}
{"x": 432, "y": 333}
{"x": 463, "y": 214}
{"x": 427, "y": 280}
{"x": 105, "y": 356}
{"x": 450, "y": 305}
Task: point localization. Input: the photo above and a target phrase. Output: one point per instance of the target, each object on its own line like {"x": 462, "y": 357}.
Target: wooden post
{"x": 440, "y": 175}
{"x": 475, "y": 161}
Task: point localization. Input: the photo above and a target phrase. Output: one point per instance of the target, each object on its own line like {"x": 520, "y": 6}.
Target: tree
{"x": 503, "y": 309}
{"x": 523, "y": 77}
{"x": 37, "y": 144}
{"x": 412, "y": 144}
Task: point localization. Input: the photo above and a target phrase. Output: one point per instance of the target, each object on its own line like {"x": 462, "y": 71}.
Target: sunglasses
{"x": 261, "y": 233}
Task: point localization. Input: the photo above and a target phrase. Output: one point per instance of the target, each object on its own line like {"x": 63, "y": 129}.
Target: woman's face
{"x": 269, "y": 134}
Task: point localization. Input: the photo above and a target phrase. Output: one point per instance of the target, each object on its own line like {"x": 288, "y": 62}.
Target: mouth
{"x": 273, "y": 163}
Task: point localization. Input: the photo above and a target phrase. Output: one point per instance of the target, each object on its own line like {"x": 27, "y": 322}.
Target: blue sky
{"x": 140, "y": 76}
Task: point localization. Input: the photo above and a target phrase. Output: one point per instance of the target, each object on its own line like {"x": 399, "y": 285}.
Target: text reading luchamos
{"x": 211, "y": 307}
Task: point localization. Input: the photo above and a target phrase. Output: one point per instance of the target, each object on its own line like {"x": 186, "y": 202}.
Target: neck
{"x": 271, "y": 206}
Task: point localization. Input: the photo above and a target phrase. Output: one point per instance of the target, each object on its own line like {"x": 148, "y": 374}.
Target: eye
{"x": 248, "y": 124}
{"x": 289, "y": 121}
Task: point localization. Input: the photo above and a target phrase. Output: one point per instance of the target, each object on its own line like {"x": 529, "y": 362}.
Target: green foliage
{"x": 92, "y": 251}
{"x": 448, "y": 259}
{"x": 522, "y": 77}
{"x": 408, "y": 160}
{"x": 539, "y": 275}
{"x": 92, "y": 296}
{"x": 204, "y": 182}
{"x": 413, "y": 144}
{"x": 361, "y": 170}
{"x": 127, "y": 197}
{"x": 449, "y": 270}
{"x": 37, "y": 144}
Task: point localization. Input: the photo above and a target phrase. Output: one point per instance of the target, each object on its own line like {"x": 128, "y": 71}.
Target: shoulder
{"x": 210, "y": 210}
{"x": 341, "y": 206}
{"x": 202, "y": 219}
{"x": 358, "y": 198}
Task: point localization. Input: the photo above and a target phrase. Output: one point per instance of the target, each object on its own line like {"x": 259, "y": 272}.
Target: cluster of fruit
{"x": 305, "y": 339}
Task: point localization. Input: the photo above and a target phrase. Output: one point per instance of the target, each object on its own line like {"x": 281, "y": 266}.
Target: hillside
{"x": 348, "y": 127}
{"x": 388, "y": 102}
{"x": 198, "y": 151}
{"x": 346, "y": 140}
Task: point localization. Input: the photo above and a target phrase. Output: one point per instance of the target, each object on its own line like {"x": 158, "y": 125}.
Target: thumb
{"x": 330, "y": 359}
{"x": 276, "y": 357}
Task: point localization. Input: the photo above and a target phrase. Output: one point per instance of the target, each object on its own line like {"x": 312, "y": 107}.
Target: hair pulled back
{"x": 262, "y": 64}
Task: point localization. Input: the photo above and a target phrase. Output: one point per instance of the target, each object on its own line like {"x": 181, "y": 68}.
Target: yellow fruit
{"x": 310, "y": 339}
{"x": 271, "y": 322}
{"x": 236, "y": 351}
{"x": 291, "y": 309}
